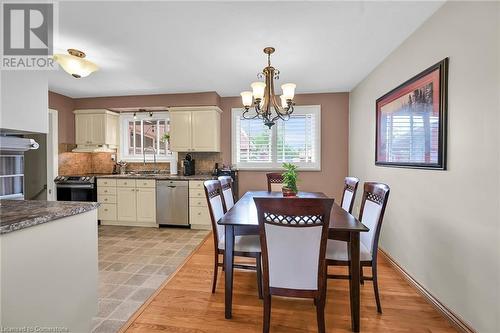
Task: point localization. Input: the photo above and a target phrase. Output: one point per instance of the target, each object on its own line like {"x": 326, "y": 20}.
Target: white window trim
{"x": 123, "y": 156}
{"x": 302, "y": 109}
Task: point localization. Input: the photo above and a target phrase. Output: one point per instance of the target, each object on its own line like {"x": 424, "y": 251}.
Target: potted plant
{"x": 290, "y": 178}
{"x": 166, "y": 139}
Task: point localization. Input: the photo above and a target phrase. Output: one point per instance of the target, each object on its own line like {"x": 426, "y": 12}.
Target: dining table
{"x": 242, "y": 219}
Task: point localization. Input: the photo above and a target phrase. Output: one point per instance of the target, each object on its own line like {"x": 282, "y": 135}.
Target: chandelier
{"x": 263, "y": 98}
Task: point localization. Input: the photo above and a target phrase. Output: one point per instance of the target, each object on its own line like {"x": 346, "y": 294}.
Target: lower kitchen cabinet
{"x": 199, "y": 216}
{"x": 127, "y": 202}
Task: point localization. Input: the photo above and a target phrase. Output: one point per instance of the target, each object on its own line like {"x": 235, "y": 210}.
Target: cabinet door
{"x": 180, "y": 131}
{"x": 98, "y": 129}
{"x": 83, "y": 128}
{"x": 126, "y": 209}
{"x": 146, "y": 204}
{"x": 206, "y": 131}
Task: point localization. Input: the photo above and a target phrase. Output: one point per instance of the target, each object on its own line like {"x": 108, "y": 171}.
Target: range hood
{"x": 17, "y": 144}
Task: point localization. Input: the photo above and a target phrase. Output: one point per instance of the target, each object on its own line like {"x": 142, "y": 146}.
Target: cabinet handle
{"x": 106, "y": 199}
{"x": 199, "y": 213}
{"x": 105, "y": 209}
{"x": 105, "y": 191}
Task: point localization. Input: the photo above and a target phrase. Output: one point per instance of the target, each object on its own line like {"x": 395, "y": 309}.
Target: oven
{"x": 76, "y": 188}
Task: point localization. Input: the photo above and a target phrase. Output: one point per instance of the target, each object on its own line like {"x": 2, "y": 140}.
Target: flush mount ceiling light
{"x": 264, "y": 99}
{"x": 75, "y": 64}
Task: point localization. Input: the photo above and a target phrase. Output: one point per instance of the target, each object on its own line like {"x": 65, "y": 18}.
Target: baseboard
{"x": 452, "y": 317}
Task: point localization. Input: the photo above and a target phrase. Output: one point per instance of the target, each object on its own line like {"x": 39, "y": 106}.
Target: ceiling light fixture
{"x": 135, "y": 115}
{"x": 75, "y": 64}
{"x": 151, "y": 114}
{"x": 264, "y": 99}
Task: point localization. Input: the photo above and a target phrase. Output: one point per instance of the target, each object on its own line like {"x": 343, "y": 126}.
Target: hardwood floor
{"x": 186, "y": 304}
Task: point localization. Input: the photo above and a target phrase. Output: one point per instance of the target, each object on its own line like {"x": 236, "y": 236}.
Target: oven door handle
{"x": 89, "y": 186}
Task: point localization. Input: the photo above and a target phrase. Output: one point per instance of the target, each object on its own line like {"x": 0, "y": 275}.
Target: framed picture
{"x": 411, "y": 122}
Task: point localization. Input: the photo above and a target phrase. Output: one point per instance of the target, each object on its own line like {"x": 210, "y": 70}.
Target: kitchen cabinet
{"x": 96, "y": 130}
{"x": 146, "y": 204}
{"x": 195, "y": 129}
{"x": 128, "y": 202}
{"x": 199, "y": 216}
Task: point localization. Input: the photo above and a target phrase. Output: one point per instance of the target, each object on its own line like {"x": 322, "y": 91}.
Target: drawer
{"x": 196, "y": 184}
{"x": 125, "y": 182}
{"x": 106, "y": 191}
{"x": 107, "y": 212}
{"x": 198, "y": 202}
{"x": 195, "y": 193}
{"x": 106, "y": 182}
{"x": 103, "y": 198}
{"x": 145, "y": 183}
{"x": 199, "y": 215}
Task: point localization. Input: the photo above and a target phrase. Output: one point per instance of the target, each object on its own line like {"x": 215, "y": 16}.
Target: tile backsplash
{"x": 81, "y": 163}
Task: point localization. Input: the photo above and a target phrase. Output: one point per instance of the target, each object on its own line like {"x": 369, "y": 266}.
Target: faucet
{"x": 154, "y": 156}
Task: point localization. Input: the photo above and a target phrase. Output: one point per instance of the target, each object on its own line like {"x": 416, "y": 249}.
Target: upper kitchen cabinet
{"x": 195, "y": 129}
{"x": 96, "y": 130}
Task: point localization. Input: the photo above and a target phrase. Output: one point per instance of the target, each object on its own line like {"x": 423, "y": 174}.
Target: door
{"x": 180, "y": 131}
{"x": 98, "y": 129}
{"x": 206, "y": 131}
{"x": 146, "y": 205}
{"x": 83, "y": 129}
{"x": 52, "y": 154}
{"x": 126, "y": 204}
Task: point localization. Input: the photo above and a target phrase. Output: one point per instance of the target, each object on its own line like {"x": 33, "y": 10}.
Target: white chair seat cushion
{"x": 243, "y": 243}
{"x": 337, "y": 250}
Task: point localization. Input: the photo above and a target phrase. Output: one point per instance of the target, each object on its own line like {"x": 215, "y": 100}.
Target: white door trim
{"x": 52, "y": 154}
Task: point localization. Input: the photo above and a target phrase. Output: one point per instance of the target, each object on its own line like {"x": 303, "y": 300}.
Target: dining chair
{"x": 293, "y": 236}
{"x": 349, "y": 193}
{"x": 244, "y": 246}
{"x": 274, "y": 181}
{"x": 226, "y": 183}
{"x": 375, "y": 196}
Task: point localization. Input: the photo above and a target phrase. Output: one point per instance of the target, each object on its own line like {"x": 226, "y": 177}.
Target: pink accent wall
{"x": 64, "y": 106}
{"x": 188, "y": 99}
{"x": 334, "y": 145}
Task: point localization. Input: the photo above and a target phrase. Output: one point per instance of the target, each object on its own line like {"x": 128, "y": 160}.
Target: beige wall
{"x": 65, "y": 117}
{"x": 443, "y": 226}
{"x": 334, "y": 143}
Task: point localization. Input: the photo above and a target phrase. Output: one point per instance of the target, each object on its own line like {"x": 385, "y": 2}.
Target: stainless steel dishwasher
{"x": 172, "y": 202}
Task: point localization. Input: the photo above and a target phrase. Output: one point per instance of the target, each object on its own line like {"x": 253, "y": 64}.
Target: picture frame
{"x": 411, "y": 121}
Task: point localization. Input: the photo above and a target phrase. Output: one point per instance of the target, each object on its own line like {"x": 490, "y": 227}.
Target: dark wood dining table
{"x": 241, "y": 219}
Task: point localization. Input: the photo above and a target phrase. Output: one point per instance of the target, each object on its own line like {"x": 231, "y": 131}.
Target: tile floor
{"x": 133, "y": 263}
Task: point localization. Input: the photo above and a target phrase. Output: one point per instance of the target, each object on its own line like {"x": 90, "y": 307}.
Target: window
{"x": 145, "y": 135}
{"x": 296, "y": 140}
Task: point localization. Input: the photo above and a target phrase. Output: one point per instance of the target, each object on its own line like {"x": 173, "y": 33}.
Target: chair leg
{"x": 223, "y": 263}
{"x": 267, "y": 314}
{"x": 375, "y": 286}
{"x": 258, "y": 264}
{"x": 361, "y": 280}
{"x": 216, "y": 270}
{"x": 320, "y": 314}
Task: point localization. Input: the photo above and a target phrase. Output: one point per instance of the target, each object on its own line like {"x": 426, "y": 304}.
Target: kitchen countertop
{"x": 21, "y": 214}
{"x": 159, "y": 176}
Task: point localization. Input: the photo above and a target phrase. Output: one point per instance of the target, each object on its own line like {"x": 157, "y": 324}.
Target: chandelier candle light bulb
{"x": 247, "y": 98}
{"x": 265, "y": 100}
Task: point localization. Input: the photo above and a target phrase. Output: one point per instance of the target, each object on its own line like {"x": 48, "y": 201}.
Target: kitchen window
{"x": 145, "y": 134}
{"x": 297, "y": 140}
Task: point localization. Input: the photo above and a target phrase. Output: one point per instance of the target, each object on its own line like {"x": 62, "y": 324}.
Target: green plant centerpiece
{"x": 165, "y": 138}
{"x": 290, "y": 179}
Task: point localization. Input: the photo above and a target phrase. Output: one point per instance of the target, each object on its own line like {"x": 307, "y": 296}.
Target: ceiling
{"x": 174, "y": 47}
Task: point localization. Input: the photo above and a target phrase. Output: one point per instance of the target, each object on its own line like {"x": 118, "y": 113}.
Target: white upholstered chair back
{"x": 375, "y": 197}
{"x": 213, "y": 192}
{"x": 293, "y": 238}
{"x": 349, "y": 194}
{"x": 227, "y": 191}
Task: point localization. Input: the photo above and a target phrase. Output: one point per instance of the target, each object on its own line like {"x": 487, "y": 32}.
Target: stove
{"x": 76, "y": 188}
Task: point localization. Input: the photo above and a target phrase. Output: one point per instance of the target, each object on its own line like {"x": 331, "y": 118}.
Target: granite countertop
{"x": 21, "y": 214}
{"x": 159, "y": 176}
